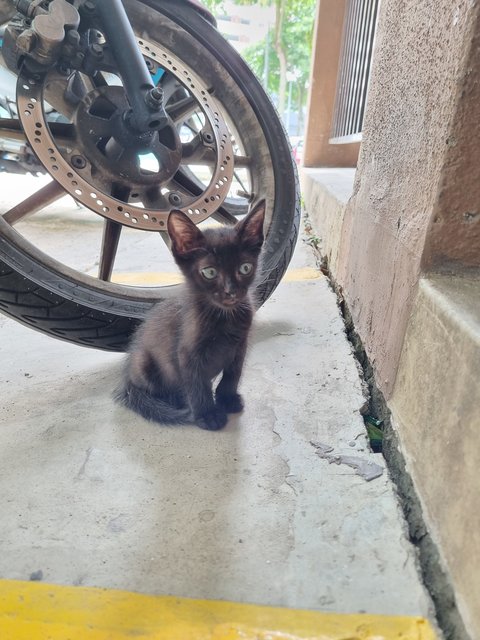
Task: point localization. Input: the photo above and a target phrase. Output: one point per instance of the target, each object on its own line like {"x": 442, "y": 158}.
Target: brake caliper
{"x": 37, "y": 34}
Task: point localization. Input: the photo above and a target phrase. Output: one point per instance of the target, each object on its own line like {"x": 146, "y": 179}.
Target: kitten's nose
{"x": 230, "y": 296}
{"x": 228, "y": 288}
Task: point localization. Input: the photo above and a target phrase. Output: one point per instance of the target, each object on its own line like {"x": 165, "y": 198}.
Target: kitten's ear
{"x": 185, "y": 235}
{"x": 251, "y": 227}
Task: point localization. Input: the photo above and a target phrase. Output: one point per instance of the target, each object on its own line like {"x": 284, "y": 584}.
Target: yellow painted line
{"x": 305, "y": 273}
{"x": 37, "y": 611}
{"x": 159, "y": 278}
{"x": 148, "y": 278}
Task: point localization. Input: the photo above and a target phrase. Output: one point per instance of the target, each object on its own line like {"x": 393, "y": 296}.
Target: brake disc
{"x": 92, "y": 161}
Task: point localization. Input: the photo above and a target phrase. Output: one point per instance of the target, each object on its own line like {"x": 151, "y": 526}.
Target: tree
{"x": 296, "y": 33}
{"x": 288, "y": 47}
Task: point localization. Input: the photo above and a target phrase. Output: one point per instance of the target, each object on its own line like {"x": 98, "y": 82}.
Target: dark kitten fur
{"x": 184, "y": 343}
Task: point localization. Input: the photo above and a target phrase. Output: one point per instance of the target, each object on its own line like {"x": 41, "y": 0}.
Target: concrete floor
{"x": 91, "y": 494}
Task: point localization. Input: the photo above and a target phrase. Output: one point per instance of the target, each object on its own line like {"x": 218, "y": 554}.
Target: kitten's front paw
{"x": 212, "y": 420}
{"x": 232, "y": 403}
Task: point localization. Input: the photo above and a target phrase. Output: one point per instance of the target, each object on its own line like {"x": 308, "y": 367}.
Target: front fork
{"x": 41, "y": 36}
{"x": 146, "y": 101}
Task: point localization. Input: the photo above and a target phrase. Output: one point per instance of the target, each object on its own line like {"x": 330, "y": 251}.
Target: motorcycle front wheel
{"x": 209, "y": 91}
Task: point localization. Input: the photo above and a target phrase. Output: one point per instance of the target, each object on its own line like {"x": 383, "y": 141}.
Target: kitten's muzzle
{"x": 228, "y": 299}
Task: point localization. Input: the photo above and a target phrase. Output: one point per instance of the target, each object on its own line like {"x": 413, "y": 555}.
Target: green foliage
{"x": 215, "y": 6}
{"x": 375, "y": 432}
{"x": 296, "y": 39}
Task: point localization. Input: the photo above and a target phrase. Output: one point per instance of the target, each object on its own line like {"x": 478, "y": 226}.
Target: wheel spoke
{"x": 169, "y": 85}
{"x": 34, "y": 203}
{"x": 240, "y": 182}
{"x": 182, "y": 109}
{"x": 206, "y": 156}
{"x": 154, "y": 199}
{"x": 61, "y": 130}
{"x": 198, "y": 159}
{"x": 196, "y": 152}
{"x": 223, "y": 216}
{"x": 120, "y": 191}
{"x": 180, "y": 190}
{"x": 183, "y": 183}
{"x": 111, "y": 235}
{"x": 11, "y": 129}
{"x": 241, "y": 161}
{"x": 166, "y": 238}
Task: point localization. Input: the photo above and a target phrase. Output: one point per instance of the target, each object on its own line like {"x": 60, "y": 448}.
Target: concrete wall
{"x": 435, "y": 408}
{"x": 421, "y": 58}
{"x": 454, "y": 236}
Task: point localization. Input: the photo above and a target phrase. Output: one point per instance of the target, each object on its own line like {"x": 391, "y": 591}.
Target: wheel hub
{"x": 115, "y": 149}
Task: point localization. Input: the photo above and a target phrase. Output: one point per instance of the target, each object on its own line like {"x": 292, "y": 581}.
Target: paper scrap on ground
{"x": 367, "y": 469}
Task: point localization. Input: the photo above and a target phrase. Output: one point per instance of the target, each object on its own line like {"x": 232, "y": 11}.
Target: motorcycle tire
{"x": 56, "y": 300}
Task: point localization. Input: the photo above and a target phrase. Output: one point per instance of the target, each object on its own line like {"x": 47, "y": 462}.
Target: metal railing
{"x": 354, "y": 70}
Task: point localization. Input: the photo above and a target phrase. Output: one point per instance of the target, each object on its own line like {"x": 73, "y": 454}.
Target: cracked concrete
{"x": 91, "y": 494}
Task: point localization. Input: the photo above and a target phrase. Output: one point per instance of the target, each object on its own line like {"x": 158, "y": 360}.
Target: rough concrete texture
{"x": 439, "y": 425}
{"x": 326, "y": 193}
{"x": 93, "y": 495}
{"x": 421, "y": 57}
{"x": 454, "y": 234}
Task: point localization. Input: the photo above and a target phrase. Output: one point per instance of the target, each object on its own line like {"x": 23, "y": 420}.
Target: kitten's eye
{"x": 245, "y": 268}
{"x": 209, "y": 273}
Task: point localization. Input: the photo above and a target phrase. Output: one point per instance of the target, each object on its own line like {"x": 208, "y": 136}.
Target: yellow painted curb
{"x": 148, "y": 278}
{"x": 159, "y": 278}
{"x": 36, "y": 611}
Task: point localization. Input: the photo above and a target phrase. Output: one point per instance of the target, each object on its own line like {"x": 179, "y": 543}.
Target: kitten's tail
{"x": 149, "y": 407}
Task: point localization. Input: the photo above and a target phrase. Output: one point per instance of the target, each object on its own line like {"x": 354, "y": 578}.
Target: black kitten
{"x": 185, "y": 342}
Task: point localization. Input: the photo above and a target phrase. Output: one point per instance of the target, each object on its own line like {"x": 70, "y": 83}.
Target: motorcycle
{"x": 133, "y": 108}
